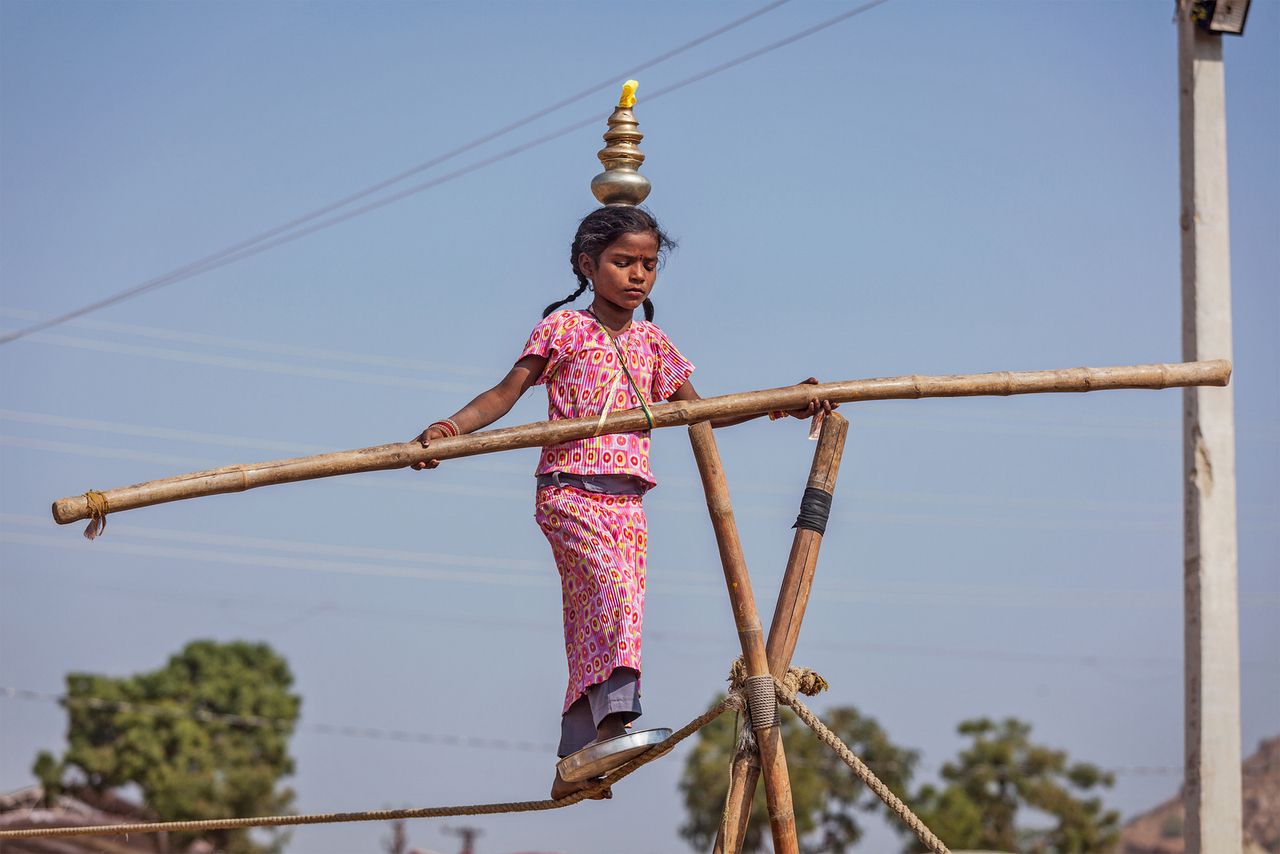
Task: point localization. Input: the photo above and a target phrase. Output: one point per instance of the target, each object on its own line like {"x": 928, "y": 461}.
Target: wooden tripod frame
{"x": 784, "y": 631}
{"x": 764, "y": 661}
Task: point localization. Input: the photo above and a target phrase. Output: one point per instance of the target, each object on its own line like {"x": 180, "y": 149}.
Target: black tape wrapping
{"x": 815, "y": 509}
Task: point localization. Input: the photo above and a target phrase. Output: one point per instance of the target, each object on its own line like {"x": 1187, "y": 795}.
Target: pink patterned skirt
{"x": 599, "y": 543}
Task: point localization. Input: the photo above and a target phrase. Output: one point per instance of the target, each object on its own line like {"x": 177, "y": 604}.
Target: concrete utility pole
{"x": 1211, "y": 608}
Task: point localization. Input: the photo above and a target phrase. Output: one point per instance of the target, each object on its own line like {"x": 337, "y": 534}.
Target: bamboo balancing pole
{"x": 402, "y": 454}
{"x": 788, "y": 614}
{"x": 763, "y": 709}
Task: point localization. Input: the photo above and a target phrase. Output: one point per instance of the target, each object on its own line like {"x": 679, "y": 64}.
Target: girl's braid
{"x": 582, "y": 286}
{"x": 602, "y": 227}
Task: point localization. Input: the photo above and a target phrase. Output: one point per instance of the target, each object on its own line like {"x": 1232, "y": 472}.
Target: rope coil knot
{"x": 798, "y": 680}
{"x": 758, "y": 696}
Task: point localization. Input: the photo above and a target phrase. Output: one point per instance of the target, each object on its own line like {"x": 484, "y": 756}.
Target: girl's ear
{"x": 586, "y": 265}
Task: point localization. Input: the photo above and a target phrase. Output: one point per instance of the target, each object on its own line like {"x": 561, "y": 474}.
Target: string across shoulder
{"x": 622, "y": 361}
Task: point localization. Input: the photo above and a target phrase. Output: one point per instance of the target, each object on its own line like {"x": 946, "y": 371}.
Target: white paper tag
{"x": 815, "y": 429}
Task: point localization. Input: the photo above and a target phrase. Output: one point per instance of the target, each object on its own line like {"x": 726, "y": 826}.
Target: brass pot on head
{"x": 620, "y": 183}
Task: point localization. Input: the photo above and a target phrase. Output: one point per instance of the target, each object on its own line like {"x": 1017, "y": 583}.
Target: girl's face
{"x": 626, "y": 270}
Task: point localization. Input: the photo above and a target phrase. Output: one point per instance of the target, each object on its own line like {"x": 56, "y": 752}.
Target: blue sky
{"x": 924, "y": 188}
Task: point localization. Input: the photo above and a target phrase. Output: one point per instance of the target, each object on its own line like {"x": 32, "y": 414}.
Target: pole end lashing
{"x": 97, "y": 514}
{"x": 815, "y": 510}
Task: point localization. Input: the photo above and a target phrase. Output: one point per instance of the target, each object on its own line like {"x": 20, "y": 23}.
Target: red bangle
{"x": 776, "y": 414}
{"x": 447, "y": 425}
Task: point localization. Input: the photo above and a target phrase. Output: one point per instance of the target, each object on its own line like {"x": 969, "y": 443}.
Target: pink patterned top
{"x": 582, "y": 372}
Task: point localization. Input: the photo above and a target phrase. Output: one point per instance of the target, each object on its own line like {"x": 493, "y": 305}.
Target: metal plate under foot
{"x": 602, "y": 757}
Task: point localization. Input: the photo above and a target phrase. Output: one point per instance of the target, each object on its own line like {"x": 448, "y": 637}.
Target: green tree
{"x": 206, "y": 736}
{"x": 1002, "y": 773}
{"x": 825, "y": 794}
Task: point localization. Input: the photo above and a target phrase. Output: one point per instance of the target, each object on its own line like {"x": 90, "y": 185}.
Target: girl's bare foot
{"x": 562, "y": 788}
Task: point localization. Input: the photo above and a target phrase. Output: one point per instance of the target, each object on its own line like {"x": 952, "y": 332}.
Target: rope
{"x": 802, "y": 680}
{"x": 762, "y": 702}
{"x": 656, "y": 752}
{"x": 97, "y": 514}
{"x": 797, "y": 680}
{"x": 860, "y": 769}
{"x": 622, "y": 361}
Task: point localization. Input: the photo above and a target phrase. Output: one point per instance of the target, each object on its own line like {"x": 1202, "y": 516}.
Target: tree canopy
{"x": 1002, "y": 792}
{"x": 1002, "y": 774}
{"x": 825, "y": 795}
{"x": 205, "y": 736}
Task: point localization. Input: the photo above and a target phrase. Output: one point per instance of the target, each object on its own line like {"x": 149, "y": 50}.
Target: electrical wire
{"x": 658, "y": 635}
{"x": 204, "y": 548}
{"x": 99, "y": 426}
{"x": 1158, "y": 517}
{"x": 249, "y": 364}
{"x": 282, "y": 234}
{"x": 189, "y": 338}
{"x": 197, "y": 266}
{"x": 998, "y": 418}
{"x": 285, "y": 724}
{"x": 363, "y": 731}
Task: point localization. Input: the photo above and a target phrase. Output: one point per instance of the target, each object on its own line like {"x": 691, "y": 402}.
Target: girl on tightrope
{"x": 589, "y": 500}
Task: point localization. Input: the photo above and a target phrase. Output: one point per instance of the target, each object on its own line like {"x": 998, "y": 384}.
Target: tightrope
{"x": 863, "y": 773}
{"x": 735, "y": 700}
{"x": 802, "y": 680}
{"x": 656, "y": 752}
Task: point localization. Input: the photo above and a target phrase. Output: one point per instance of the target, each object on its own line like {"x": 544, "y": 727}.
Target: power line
{"x": 368, "y": 732}
{"x": 211, "y": 548}
{"x": 248, "y": 364}
{"x": 147, "y": 431}
{"x": 769, "y": 48}
{"x": 989, "y": 521}
{"x": 285, "y": 724}
{"x": 282, "y": 234}
{"x": 303, "y": 564}
{"x": 310, "y": 547}
{"x": 417, "y": 617}
{"x": 752, "y": 487}
{"x": 990, "y": 420}
{"x": 189, "y": 337}
{"x": 473, "y": 621}
{"x": 198, "y": 266}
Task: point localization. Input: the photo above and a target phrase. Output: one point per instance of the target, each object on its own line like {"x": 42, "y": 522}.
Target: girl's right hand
{"x": 424, "y": 438}
{"x": 815, "y": 407}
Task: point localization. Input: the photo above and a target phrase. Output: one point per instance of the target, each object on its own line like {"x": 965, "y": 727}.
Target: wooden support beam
{"x": 403, "y": 454}
{"x": 788, "y": 614}
{"x": 777, "y": 785}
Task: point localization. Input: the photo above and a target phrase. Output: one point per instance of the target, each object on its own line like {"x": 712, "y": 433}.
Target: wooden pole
{"x": 777, "y": 785}
{"x": 788, "y": 614}
{"x": 1211, "y": 635}
{"x": 402, "y": 454}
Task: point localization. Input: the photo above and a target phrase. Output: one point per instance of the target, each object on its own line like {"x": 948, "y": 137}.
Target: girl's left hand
{"x": 424, "y": 439}
{"x": 815, "y": 406}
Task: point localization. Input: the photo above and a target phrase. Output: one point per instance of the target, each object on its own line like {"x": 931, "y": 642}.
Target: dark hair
{"x": 602, "y": 227}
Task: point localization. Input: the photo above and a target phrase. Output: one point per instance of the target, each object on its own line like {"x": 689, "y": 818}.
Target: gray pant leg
{"x": 577, "y": 729}
{"x": 617, "y": 695}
